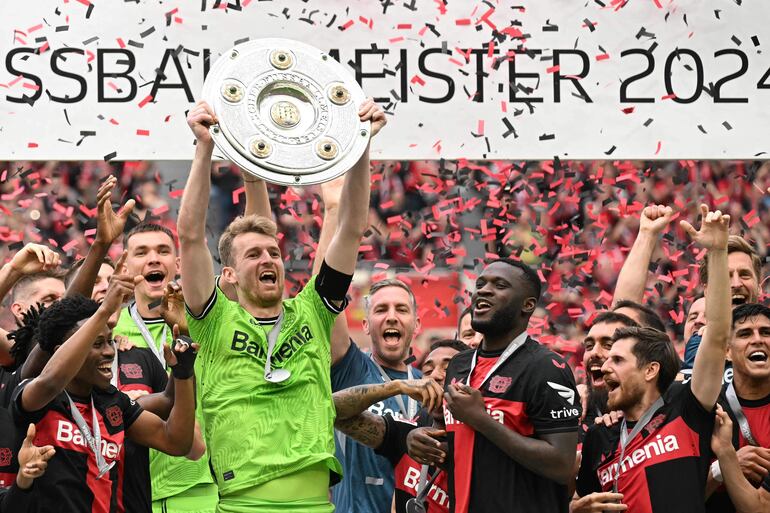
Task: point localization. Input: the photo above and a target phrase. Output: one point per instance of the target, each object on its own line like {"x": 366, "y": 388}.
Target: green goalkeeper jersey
{"x": 257, "y": 431}
{"x": 169, "y": 475}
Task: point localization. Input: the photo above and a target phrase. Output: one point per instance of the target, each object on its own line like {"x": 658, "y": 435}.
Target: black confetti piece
{"x": 727, "y": 125}
{"x": 110, "y": 156}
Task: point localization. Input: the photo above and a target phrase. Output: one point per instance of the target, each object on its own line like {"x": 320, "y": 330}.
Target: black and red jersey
{"x": 757, "y": 414}
{"x": 9, "y": 445}
{"x": 664, "y": 468}
{"x": 407, "y": 471}
{"x": 139, "y": 369}
{"x": 533, "y": 393}
{"x": 69, "y": 483}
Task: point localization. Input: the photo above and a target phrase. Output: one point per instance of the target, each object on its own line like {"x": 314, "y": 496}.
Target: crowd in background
{"x": 574, "y": 221}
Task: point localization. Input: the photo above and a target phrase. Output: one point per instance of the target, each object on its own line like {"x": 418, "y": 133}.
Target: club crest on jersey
{"x": 114, "y": 415}
{"x": 6, "y": 456}
{"x": 499, "y": 384}
{"x": 131, "y": 370}
{"x": 655, "y": 423}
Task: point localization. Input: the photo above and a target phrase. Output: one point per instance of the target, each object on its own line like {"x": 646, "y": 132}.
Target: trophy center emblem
{"x": 285, "y": 114}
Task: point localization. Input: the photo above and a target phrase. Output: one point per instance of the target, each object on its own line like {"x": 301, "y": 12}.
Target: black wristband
{"x": 332, "y": 284}
{"x": 185, "y": 361}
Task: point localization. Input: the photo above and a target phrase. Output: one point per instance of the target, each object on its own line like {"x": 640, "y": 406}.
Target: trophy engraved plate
{"x": 287, "y": 112}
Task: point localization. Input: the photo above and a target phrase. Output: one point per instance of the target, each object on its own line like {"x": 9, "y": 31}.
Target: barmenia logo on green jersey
{"x": 242, "y": 342}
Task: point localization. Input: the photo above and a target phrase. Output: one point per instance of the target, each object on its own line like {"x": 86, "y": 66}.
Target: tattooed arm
{"x": 368, "y": 428}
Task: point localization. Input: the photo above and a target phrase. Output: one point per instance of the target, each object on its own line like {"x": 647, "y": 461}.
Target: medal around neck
{"x": 287, "y": 112}
{"x": 412, "y": 506}
{"x": 277, "y": 375}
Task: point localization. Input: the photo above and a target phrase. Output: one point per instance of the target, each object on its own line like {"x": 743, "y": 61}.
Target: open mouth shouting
{"x": 268, "y": 277}
{"x": 155, "y": 279}
{"x": 481, "y": 307}
{"x": 392, "y": 337}
{"x": 594, "y": 368}
{"x": 758, "y": 356}
{"x": 739, "y": 298}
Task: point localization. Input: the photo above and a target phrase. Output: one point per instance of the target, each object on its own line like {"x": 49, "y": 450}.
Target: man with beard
{"x": 597, "y": 345}
{"x": 391, "y": 322}
{"x": 747, "y": 401}
{"x": 511, "y": 408}
{"x": 392, "y": 438}
{"x": 661, "y": 465}
{"x": 266, "y": 385}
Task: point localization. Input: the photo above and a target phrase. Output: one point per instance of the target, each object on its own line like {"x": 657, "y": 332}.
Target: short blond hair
{"x": 245, "y": 224}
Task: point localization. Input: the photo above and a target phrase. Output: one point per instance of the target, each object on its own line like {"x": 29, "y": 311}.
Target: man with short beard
{"x": 266, "y": 386}
{"x": 391, "y": 322}
{"x": 597, "y": 345}
{"x": 747, "y": 401}
{"x": 512, "y": 409}
{"x": 661, "y": 465}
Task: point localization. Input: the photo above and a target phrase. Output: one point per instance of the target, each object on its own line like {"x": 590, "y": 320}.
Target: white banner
{"x": 590, "y": 79}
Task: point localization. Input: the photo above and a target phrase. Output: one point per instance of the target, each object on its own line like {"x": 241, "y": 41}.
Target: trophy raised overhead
{"x": 288, "y": 112}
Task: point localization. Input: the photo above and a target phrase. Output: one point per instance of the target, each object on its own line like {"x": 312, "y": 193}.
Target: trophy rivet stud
{"x": 339, "y": 95}
{"x": 296, "y": 178}
{"x": 232, "y": 92}
{"x": 363, "y": 133}
{"x": 327, "y": 149}
{"x": 280, "y": 59}
{"x": 234, "y": 54}
{"x": 261, "y": 149}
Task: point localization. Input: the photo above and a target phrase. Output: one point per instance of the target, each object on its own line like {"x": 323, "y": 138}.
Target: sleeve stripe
{"x": 209, "y": 304}
{"x": 333, "y": 308}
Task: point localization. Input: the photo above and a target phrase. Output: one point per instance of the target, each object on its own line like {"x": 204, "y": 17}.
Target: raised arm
{"x": 197, "y": 267}
{"x": 174, "y": 436}
{"x": 109, "y": 226}
{"x": 710, "y": 359}
{"x": 68, "y": 359}
{"x": 366, "y": 427}
{"x": 354, "y": 205}
{"x": 31, "y": 259}
{"x": 330, "y": 194}
{"x": 745, "y": 497}
{"x": 257, "y": 199}
{"x": 633, "y": 276}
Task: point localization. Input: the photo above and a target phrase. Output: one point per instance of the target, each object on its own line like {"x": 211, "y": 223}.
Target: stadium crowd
{"x": 614, "y": 354}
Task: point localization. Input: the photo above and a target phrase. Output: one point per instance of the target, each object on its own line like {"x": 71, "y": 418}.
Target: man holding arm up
{"x": 265, "y": 385}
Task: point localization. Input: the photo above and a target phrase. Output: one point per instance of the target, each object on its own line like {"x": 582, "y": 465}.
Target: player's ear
{"x": 228, "y": 274}
{"x": 365, "y": 324}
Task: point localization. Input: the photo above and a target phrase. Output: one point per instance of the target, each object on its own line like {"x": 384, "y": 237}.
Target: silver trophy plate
{"x": 288, "y": 112}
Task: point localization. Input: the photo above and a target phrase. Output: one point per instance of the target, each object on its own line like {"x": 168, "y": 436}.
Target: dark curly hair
{"x": 58, "y": 320}
{"x": 24, "y": 335}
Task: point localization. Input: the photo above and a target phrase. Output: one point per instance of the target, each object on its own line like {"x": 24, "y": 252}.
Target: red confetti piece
{"x": 668, "y": 97}
{"x": 628, "y": 110}
{"x": 236, "y": 194}
{"x": 31, "y": 145}
{"x": 657, "y": 150}
{"x": 141, "y": 131}
{"x": 463, "y": 21}
{"x": 160, "y": 210}
{"x": 147, "y": 99}
{"x": 553, "y": 69}
{"x": 71, "y": 244}
{"x": 602, "y": 57}
{"x": 347, "y": 25}
{"x": 417, "y": 79}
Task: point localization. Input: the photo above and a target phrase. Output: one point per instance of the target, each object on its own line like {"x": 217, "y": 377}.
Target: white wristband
{"x": 716, "y": 472}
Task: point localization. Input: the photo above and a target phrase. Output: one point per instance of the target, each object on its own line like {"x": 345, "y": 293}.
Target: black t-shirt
{"x": 407, "y": 471}
{"x": 139, "y": 369}
{"x": 757, "y": 414}
{"x": 8, "y": 383}
{"x": 664, "y": 468}
{"x": 69, "y": 483}
{"x": 532, "y": 393}
{"x": 15, "y": 500}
